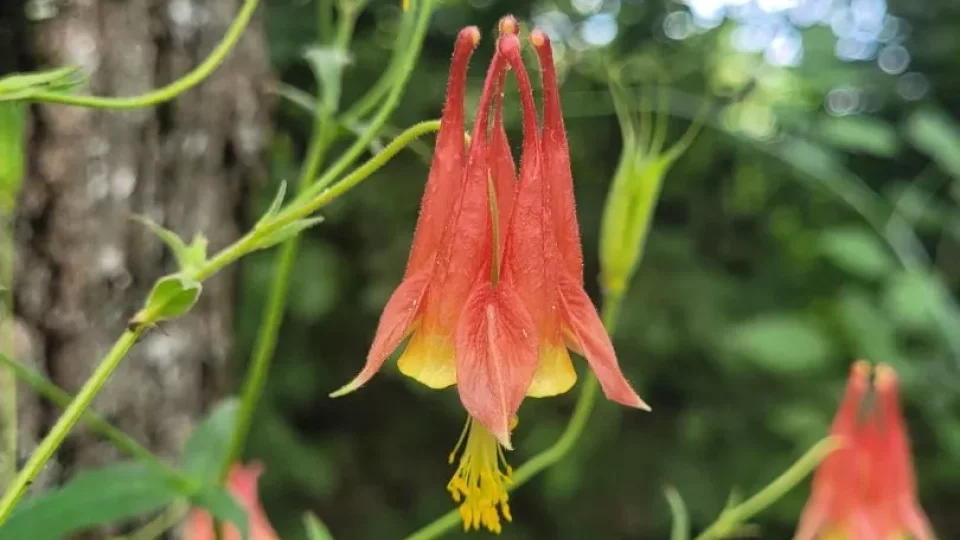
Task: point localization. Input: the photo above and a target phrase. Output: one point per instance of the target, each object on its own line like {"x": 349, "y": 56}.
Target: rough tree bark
{"x": 83, "y": 266}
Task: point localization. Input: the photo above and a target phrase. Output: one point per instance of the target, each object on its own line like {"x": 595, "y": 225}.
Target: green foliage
{"x": 857, "y": 250}
{"x": 221, "y": 505}
{"x": 210, "y": 442}
{"x": 785, "y": 343}
{"x": 94, "y": 496}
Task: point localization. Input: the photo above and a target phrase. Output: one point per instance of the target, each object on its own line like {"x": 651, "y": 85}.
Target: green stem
{"x": 96, "y": 422}
{"x": 299, "y": 211}
{"x": 372, "y": 97}
{"x": 389, "y": 104}
{"x": 8, "y": 379}
{"x": 730, "y": 519}
{"x": 266, "y": 341}
{"x": 167, "y": 520}
{"x": 172, "y": 90}
{"x": 70, "y": 416}
{"x": 558, "y": 450}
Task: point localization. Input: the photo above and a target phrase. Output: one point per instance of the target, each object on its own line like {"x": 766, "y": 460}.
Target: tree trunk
{"x": 83, "y": 266}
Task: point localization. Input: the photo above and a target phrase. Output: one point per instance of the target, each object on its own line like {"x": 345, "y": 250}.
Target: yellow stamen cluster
{"x": 481, "y": 480}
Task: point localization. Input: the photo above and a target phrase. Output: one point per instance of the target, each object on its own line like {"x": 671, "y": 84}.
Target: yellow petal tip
{"x": 344, "y": 390}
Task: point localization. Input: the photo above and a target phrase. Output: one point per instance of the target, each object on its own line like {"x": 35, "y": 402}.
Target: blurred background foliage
{"x": 813, "y": 221}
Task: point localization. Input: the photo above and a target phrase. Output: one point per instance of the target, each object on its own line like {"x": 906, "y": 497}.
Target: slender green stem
{"x": 389, "y": 104}
{"x": 681, "y": 520}
{"x": 558, "y": 450}
{"x": 8, "y": 379}
{"x": 70, "y": 416}
{"x": 172, "y": 90}
{"x": 167, "y": 520}
{"x": 96, "y": 422}
{"x": 372, "y": 97}
{"x": 266, "y": 342}
{"x": 298, "y": 211}
{"x": 730, "y": 519}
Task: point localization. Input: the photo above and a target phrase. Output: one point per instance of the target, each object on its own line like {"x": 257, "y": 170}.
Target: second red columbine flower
{"x": 493, "y": 292}
{"x": 865, "y": 490}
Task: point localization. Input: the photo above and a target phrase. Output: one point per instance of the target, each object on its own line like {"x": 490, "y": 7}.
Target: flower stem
{"x": 730, "y": 519}
{"x": 266, "y": 341}
{"x": 8, "y": 379}
{"x": 558, "y": 450}
{"x": 96, "y": 422}
{"x": 389, "y": 104}
{"x": 172, "y": 90}
{"x": 273, "y": 311}
{"x": 70, "y": 416}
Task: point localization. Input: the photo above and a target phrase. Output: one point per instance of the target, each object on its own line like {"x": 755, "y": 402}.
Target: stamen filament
{"x": 479, "y": 483}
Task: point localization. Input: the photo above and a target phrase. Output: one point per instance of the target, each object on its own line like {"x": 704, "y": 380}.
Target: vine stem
{"x": 65, "y": 423}
{"x": 732, "y": 518}
{"x": 172, "y": 90}
{"x": 560, "y": 448}
{"x": 149, "y": 316}
{"x": 96, "y": 422}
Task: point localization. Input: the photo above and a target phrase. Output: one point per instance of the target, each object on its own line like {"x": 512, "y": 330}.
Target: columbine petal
{"x": 581, "y": 317}
{"x": 898, "y": 469}
{"x": 556, "y": 163}
{"x": 443, "y": 189}
{"x": 466, "y": 253}
{"x": 446, "y": 169}
{"x": 395, "y": 324}
{"x": 496, "y": 351}
{"x": 502, "y": 169}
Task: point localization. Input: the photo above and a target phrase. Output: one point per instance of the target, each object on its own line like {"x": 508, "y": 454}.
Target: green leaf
{"x": 275, "y": 204}
{"x": 681, "y": 520}
{"x": 858, "y": 251}
{"x": 783, "y": 342}
{"x": 188, "y": 257}
{"x": 861, "y": 134}
{"x": 936, "y": 134}
{"x": 171, "y": 297}
{"x": 113, "y": 493}
{"x": 287, "y": 232}
{"x": 327, "y": 64}
{"x": 912, "y": 299}
{"x": 316, "y": 530}
{"x": 224, "y": 507}
{"x": 209, "y": 443}
{"x": 12, "y": 116}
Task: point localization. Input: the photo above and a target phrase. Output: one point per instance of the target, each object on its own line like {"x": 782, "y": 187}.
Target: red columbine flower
{"x": 242, "y": 484}
{"x": 866, "y": 489}
{"x": 494, "y": 284}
